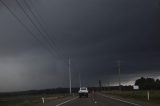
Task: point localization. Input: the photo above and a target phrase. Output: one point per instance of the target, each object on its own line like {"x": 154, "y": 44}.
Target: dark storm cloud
{"x": 95, "y": 33}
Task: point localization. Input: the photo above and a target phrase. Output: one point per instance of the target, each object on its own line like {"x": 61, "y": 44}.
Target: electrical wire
{"x": 39, "y": 17}
{"x": 36, "y": 18}
{"x": 25, "y": 26}
{"x": 37, "y": 28}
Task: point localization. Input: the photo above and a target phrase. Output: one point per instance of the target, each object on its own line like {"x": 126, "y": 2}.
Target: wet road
{"x": 92, "y": 100}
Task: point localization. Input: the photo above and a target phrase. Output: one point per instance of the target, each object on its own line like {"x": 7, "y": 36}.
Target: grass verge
{"x": 28, "y": 100}
{"x": 137, "y": 95}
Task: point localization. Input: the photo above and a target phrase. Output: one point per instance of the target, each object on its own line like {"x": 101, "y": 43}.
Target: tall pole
{"x": 80, "y": 80}
{"x": 70, "y": 83}
{"x": 119, "y": 74}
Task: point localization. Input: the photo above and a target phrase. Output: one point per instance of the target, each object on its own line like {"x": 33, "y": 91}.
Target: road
{"x": 92, "y": 100}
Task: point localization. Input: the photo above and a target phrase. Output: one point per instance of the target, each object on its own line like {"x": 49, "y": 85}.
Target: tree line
{"x": 148, "y": 83}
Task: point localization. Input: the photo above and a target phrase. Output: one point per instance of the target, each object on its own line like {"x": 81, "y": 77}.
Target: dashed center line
{"x": 66, "y": 101}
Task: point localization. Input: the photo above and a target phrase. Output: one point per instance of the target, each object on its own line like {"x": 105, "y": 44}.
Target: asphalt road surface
{"x": 92, "y": 100}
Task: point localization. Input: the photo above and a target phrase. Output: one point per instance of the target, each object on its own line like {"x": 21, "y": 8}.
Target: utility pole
{"x": 70, "y": 82}
{"x": 108, "y": 85}
{"x": 100, "y": 85}
{"x": 80, "y": 84}
{"x": 119, "y": 74}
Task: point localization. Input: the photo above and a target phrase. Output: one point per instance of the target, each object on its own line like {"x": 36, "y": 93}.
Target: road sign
{"x": 136, "y": 87}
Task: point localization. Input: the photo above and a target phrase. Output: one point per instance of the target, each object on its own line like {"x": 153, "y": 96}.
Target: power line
{"x": 19, "y": 4}
{"x": 48, "y": 34}
{"x": 39, "y": 22}
{"x": 36, "y": 18}
{"x": 35, "y": 9}
{"x": 41, "y": 19}
{"x": 32, "y": 21}
{"x": 38, "y": 15}
{"x": 25, "y": 26}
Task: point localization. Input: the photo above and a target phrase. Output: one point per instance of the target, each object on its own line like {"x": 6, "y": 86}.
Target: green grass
{"x": 28, "y": 100}
{"x": 138, "y": 95}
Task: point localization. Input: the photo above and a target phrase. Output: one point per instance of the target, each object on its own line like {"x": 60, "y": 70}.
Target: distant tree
{"x": 146, "y": 83}
{"x": 157, "y": 84}
{"x": 140, "y": 83}
{"x": 150, "y": 83}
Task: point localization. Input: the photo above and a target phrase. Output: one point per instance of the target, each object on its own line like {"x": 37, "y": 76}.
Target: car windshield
{"x": 83, "y": 88}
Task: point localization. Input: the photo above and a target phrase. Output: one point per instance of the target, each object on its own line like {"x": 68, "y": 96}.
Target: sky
{"x": 95, "y": 34}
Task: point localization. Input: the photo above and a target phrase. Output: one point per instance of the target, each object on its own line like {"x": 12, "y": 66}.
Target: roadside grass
{"x": 137, "y": 95}
{"x": 30, "y": 100}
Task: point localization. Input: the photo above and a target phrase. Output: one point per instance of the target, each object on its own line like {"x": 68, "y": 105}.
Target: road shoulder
{"x": 129, "y": 101}
{"x": 57, "y": 101}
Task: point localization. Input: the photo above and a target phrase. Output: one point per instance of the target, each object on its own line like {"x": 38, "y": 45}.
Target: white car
{"x": 83, "y": 91}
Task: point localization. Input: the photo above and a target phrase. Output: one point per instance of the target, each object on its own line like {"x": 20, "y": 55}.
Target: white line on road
{"x": 120, "y": 100}
{"x": 66, "y": 101}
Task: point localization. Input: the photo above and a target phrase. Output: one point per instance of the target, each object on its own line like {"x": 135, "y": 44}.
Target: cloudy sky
{"x": 37, "y": 36}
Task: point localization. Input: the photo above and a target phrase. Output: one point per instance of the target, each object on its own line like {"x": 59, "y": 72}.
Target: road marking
{"x": 120, "y": 100}
{"x": 66, "y": 101}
